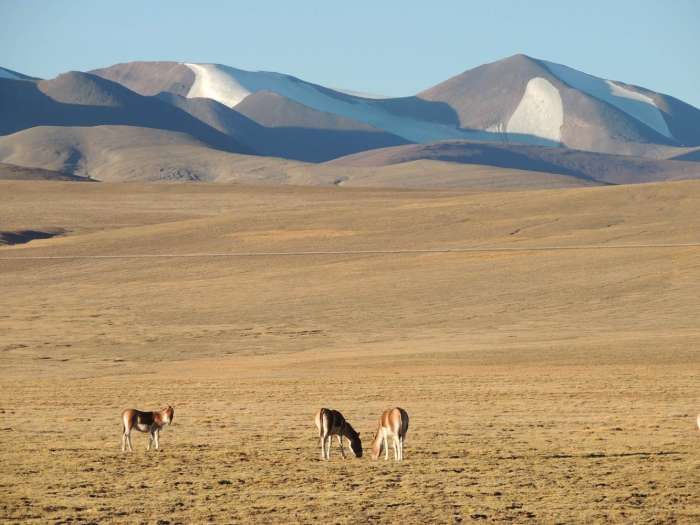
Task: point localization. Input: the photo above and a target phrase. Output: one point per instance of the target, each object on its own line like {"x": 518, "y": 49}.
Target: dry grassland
{"x": 556, "y": 386}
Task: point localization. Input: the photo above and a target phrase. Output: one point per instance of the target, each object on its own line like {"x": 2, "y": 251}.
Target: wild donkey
{"x": 332, "y": 423}
{"x": 151, "y": 422}
{"x": 392, "y": 423}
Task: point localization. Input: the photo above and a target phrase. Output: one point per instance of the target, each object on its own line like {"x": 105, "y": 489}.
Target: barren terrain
{"x": 552, "y": 382}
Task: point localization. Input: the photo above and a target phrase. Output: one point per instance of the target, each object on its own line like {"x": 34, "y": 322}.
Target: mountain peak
{"x": 518, "y": 57}
{"x": 76, "y": 87}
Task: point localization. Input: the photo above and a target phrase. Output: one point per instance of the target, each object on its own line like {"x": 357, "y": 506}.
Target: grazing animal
{"x": 151, "y": 422}
{"x": 332, "y": 423}
{"x": 392, "y": 423}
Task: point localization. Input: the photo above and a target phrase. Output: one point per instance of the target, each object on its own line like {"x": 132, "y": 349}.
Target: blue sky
{"x": 385, "y": 47}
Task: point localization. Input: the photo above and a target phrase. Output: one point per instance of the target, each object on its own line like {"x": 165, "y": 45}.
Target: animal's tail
{"x": 404, "y": 423}
{"x": 124, "y": 420}
{"x": 320, "y": 416}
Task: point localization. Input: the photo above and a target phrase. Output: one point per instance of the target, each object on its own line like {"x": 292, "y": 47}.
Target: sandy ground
{"x": 551, "y": 386}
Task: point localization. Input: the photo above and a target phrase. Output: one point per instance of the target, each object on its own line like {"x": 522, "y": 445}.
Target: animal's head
{"x": 377, "y": 445}
{"x": 168, "y": 414}
{"x": 356, "y": 445}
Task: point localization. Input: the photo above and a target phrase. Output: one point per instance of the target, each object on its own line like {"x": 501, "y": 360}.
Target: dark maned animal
{"x": 332, "y": 423}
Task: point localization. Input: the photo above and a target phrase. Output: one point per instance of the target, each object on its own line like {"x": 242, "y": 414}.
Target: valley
{"x": 543, "y": 385}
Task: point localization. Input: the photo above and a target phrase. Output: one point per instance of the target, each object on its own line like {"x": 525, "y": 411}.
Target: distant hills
{"x": 596, "y": 168}
{"x": 520, "y": 113}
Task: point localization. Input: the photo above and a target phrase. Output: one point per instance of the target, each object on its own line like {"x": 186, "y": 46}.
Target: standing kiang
{"x": 151, "y": 422}
{"x": 393, "y": 423}
{"x": 332, "y": 423}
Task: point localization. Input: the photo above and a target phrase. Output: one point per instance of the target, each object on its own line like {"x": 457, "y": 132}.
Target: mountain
{"x": 150, "y": 78}
{"x": 597, "y": 168}
{"x": 519, "y": 122}
{"x": 296, "y": 132}
{"x": 411, "y": 119}
{"x": 81, "y": 99}
{"x": 523, "y": 96}
{"x": 307, "y": 134}
{"x": 273, "y": 125}
{"x": 519, "y": 100}
{"x": 130, "y": 153}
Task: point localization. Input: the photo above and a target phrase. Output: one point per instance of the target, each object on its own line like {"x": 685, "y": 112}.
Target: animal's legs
{"x": 323, "y": 447}
{"x": 128, "y": 441}
{"x": 340, "y": 442}
{"x": 386, "y": 447}
{"x": 156, "y": 436}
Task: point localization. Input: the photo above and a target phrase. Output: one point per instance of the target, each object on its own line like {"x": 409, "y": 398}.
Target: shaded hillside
{"x": 150, "y": 78}
{"x": 125, "y": 153}
{"x": 14, "y": 172}
{"x": 275, "y": 126}
{"x": 129, "y": 153}
{"x": 595, "y": 167}
{"x": 80, "y": 99}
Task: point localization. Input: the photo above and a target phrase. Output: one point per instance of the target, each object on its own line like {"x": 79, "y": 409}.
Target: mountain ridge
{"x": 519, "y": 99}
{"x": 518, "y": 113}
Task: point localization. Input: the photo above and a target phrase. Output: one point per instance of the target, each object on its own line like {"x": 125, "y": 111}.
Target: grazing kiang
{"x": 332, "y": 423}
{"x": 393, "y": 423}
{"x": 151, "y": 422}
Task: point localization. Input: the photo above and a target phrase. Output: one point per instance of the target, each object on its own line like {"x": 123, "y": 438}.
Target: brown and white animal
{"x": 393, "y": 423}
{"x": 332, "y": 423}
{"x": 151, "y": 422}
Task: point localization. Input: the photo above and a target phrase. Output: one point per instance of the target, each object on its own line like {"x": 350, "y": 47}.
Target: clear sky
{"x": 380, "y": 46}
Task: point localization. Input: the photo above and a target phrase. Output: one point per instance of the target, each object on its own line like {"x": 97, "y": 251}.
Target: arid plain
{"x": 551, "y": 385}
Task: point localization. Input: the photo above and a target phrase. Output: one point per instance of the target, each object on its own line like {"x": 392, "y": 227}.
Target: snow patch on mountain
{"x": 540, "y": 112}
{"x": 635, "y": 104}
{"x": 219, "y": 83}
{"x": 361, "y": 94}
{"x": 230, "y": 86}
